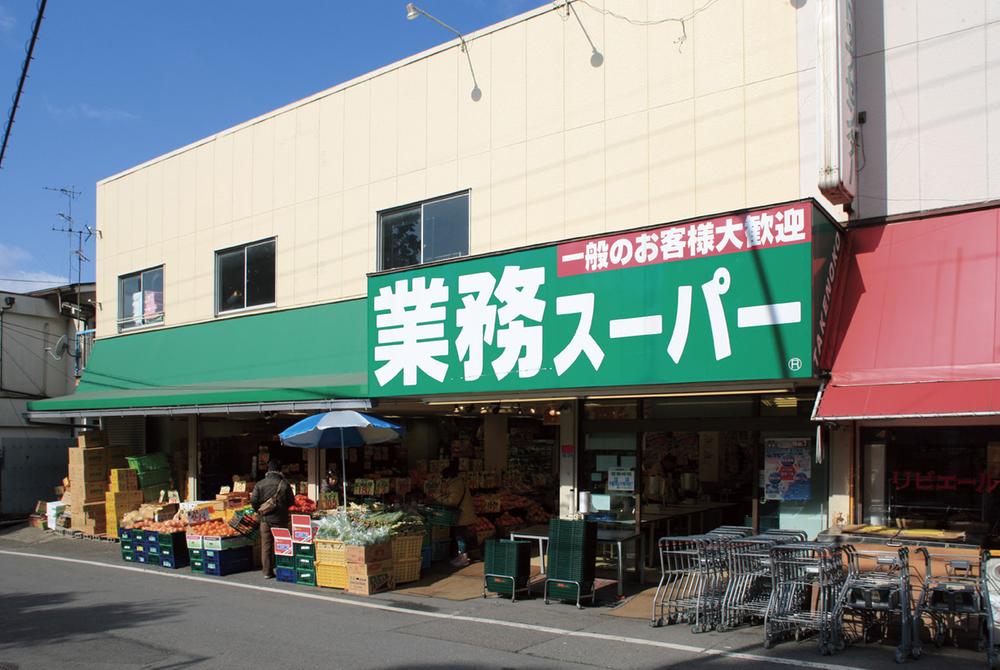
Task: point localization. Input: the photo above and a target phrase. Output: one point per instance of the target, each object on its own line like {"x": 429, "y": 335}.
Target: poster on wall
{"x": 621, "y": 479}
{"x": 787, "y": 469}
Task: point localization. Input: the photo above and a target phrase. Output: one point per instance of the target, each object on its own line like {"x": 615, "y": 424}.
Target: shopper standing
{"x": 455, "y": 494}
{"x": 271, "y": 498}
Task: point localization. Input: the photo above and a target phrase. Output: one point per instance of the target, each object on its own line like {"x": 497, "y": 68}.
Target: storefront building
{"x": 232, "y": 273}
{"x": 913, "y": 391}
{"x": 683, "y": 369}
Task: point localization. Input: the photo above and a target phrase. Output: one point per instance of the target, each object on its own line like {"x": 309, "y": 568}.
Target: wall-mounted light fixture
{"x": 413, "y": 12}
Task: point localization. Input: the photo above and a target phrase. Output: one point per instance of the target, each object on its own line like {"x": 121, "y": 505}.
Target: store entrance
{"x": 684, "y": 465}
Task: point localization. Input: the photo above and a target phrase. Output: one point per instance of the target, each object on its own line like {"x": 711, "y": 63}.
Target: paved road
{"x": 72, "y": 604}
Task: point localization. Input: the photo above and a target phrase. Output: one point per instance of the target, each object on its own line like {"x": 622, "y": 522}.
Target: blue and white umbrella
{"x": 339, "y": 430}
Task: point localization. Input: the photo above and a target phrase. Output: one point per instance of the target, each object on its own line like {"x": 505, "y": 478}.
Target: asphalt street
{"x": 74, "y": 604}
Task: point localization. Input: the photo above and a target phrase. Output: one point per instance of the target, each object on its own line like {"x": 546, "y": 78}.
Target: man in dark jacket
{"x": 273, "y": 484}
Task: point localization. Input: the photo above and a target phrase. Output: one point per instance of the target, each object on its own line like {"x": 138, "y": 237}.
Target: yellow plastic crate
{"x": 331, "y": 576}
{"x": 407, "y": 547}
{"x": 407, "y": 570}
{"x": 330, "y": 552}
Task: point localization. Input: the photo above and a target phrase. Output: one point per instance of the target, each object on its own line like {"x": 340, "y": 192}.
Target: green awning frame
{"x": 306, "y": 358}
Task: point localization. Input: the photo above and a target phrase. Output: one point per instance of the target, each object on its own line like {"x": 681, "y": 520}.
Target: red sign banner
{"x": 758, "y": 229}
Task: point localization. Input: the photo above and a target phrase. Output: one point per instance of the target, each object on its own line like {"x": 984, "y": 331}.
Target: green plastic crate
{"x": 507, "y": 557}
{"x": 142, "y": 464}
{"x": 284, "y": 561}
{"x": 159, "y": 477}
{"x": 176, "y": 541}
{"x": 128, "y": 556}
{"x": 304, "y": 549}
{"x": 151, "y": 493}
{"x": 441, "y": 516}
{"x": 307, "y": 577}
{"x": 196, "y": 554}
{"x": 197, "y": 565}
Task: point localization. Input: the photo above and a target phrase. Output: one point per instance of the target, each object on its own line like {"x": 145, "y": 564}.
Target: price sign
{"x": 199, "y": 515}
{"x": 621, "y": 479}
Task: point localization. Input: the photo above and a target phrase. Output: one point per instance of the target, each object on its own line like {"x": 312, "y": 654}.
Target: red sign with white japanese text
{"x": 759, "y": 229}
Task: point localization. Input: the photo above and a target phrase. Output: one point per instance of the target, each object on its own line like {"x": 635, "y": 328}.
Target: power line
{"x": 34, "y": 281}
{"x": 24, "y": 76}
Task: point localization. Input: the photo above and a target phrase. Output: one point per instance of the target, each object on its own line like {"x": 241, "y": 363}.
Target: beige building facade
{"x": 585, "y": 124}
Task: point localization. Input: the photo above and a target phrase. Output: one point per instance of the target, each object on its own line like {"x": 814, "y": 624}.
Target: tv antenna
{"x": 69, "y": 226}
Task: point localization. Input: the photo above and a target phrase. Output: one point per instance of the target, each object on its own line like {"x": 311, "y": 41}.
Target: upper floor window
{"x": 429, "y": 231}
{"x": 140, "y": 299}
{"x": 244, "y": 277}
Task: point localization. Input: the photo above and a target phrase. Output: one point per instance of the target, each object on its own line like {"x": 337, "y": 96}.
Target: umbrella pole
{"x": 343, "y": 466}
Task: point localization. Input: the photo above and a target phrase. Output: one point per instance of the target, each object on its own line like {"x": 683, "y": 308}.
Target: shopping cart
{"x": 809, "y": 578}
{"x": 691, "y": 583}
{"x": 749, "y": 585}
{"x": 878, "y": 592}
{"x": 694, "y": 574}
{"x": 957, "y": 601}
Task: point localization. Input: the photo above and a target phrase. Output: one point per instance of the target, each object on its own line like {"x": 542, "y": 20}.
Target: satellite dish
{"x": 60, "y": 348}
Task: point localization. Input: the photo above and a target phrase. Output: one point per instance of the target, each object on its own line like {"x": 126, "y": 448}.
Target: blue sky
{"x": 115, "y": 83}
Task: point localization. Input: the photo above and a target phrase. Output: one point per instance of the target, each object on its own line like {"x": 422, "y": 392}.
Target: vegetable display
{"x": 370, "y": 524}
{"x": 303, "y": 505}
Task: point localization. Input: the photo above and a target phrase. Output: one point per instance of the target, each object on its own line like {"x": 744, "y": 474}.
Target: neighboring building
{"x": 274, "y": 268}
{"x": 40, "y": 335}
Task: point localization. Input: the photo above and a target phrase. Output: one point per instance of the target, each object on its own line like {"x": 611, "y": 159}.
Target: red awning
{"x": 915, "y": 333}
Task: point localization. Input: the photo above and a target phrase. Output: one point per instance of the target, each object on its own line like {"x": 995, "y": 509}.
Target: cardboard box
{"x": 366, "y": 586}
{"x": 282, "y": 542}
{"x": 89, "y": 456}
{"x": 123, "y": 479}
{"x": 90, "y": 438}
{"x": 88, "y": 517}
{"x": 369, "y": 569}
{"x": 116, "y": 458}
{"x": 302, "y": 530}
{"x": 117, "y": 505}
{"x": 93, "y": 472}
{"x": 87, "y": 492}
{"x": 374, "y": 553}
{"x": 158, "y": 511}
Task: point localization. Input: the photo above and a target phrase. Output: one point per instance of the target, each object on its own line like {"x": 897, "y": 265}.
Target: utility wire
{"x": 650, "y": 22}
{"x": 24, "y": 76}
{"x": 53, "y": 282}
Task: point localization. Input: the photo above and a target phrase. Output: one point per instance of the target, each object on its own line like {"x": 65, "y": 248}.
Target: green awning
{"x": 305, "y": 357}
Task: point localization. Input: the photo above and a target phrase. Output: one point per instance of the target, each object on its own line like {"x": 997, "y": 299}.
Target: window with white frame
{"x": 140, "y": 299}
{"x": 432, "y": 230}
{"x": 244, "y": 277}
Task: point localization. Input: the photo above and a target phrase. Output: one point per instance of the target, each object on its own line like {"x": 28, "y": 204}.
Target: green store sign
{"x": 717, "y": 300}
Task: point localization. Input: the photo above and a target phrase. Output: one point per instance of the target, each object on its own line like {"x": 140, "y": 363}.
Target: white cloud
{"x": 83, "y": 110}
{"x": 17, "y": 274}
{"x": 7, "y": 22}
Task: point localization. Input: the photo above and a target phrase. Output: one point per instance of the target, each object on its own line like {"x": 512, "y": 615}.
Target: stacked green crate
{"x": 508, "y": 558}
{"x": 153, "y": 472}
{"x": 196, "y": 557}
{"x": 571, "y": 556}
{"x": 173, "y": 550}
{"x": 127, "y": 546}
{"x": 304, "y": 563}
